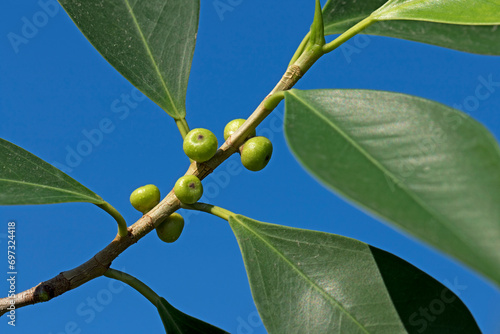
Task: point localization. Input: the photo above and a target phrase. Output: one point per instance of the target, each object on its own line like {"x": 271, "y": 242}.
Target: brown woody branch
{"x": 98, "y": 264}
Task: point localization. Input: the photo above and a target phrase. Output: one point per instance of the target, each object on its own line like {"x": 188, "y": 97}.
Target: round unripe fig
{"x": 234, "y": 125}
{"x": 256, "y": 153}
{"x": 171, "y": 228}
{"x": 188, "y": 189}
{"x": 200, "y": 144}
{"x": 145, "y": 198}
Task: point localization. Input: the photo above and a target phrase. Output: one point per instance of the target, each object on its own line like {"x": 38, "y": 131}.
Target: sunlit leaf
{"x": 427, "y": 168}
{"x": 27, "y": 179}
{"x": 340, "y": 15}
{"x": 477, "y": 12}
{"x": 312, "y": 282}
{"x": 150, "y": 42}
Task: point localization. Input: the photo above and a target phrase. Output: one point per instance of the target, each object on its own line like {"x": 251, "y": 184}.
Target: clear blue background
{"x": 57, "y": 86}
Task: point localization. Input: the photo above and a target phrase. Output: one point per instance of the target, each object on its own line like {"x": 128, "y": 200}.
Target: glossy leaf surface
{"x": 477, "y": 12}
{"x": 312, "y": 282}
{"x": 427, "y": 168}
{"x": 483, "y": 39}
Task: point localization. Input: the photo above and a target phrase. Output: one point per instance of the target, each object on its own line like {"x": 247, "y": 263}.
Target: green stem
{"x": 183, "y": 126}
{"x": 309, "y": 57}
{"x": 89, "y": 270}
{"x": 122, "y": 224}
{"x": 272, "y": 101}
{"x": 300, "y": 49}
{"x": 142, "y": 288}
{"x": 212, "y": 209}
{"x": 360, "y": 26}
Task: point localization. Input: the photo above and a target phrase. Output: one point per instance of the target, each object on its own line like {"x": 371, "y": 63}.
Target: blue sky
{"x": 56, "y": 87}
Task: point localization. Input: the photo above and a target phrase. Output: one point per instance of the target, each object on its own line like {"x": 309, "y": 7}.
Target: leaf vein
{"x": 329, "y": 298}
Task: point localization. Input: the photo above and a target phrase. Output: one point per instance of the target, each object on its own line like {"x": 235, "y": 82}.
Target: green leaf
{"x": 27, "y": 179}
{"x": 151, "y": 43}
{"x": 429, "y": 169}
{"x": 174, "y": 320}
{"x": 477, "y": 12}
{"x": 178, "y": 322}
{"x": 341, "y": 15}
{"x": 312, "y": 282}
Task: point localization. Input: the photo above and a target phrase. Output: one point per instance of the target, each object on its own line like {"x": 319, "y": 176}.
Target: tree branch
{"x": 100, "y": 263}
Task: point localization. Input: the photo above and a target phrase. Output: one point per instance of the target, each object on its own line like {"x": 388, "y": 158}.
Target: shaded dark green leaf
{"x": 178, "y": 322}
{"x": 313, "y": 282}
{"x": 174, "y": 320}
{"x": 150, "y": 42}
{"x": 27, "y": 179}
{"x": 429, "y": 169}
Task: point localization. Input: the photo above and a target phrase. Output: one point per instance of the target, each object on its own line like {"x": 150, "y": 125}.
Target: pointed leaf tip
{"x": 151, "y": 43}
{"x": 26, "y": 179}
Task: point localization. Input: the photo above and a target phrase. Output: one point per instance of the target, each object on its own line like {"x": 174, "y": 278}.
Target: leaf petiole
{"x": 208, "y": 208}
{"x": 122, "y": 224}
{"x": 183, "y": 126}
{"x": 273, "y": 100}
{"x": 351, "y": 32}
{"x": 130, "y": 280}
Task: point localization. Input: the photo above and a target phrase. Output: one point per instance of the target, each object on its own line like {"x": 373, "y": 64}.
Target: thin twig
{"x": 99, "y": 264}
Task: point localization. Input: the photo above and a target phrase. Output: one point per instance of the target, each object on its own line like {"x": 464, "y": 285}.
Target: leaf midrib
{"x": 387, "y": 8}
{"x": 385, "y": 171}
{"x": 153, "y": 60}
{"x": 170, "y": 316}
{"x": 333, "y": 302}
{"x": 93, "y": 200}
{"x": 8, "y": 147}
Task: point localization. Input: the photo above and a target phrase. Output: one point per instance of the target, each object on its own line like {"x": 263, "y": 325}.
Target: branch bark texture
{"x": 99, "y": 264}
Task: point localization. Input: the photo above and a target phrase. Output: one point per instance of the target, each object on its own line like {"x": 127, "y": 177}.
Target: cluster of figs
{"x": 200, "y": 145}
